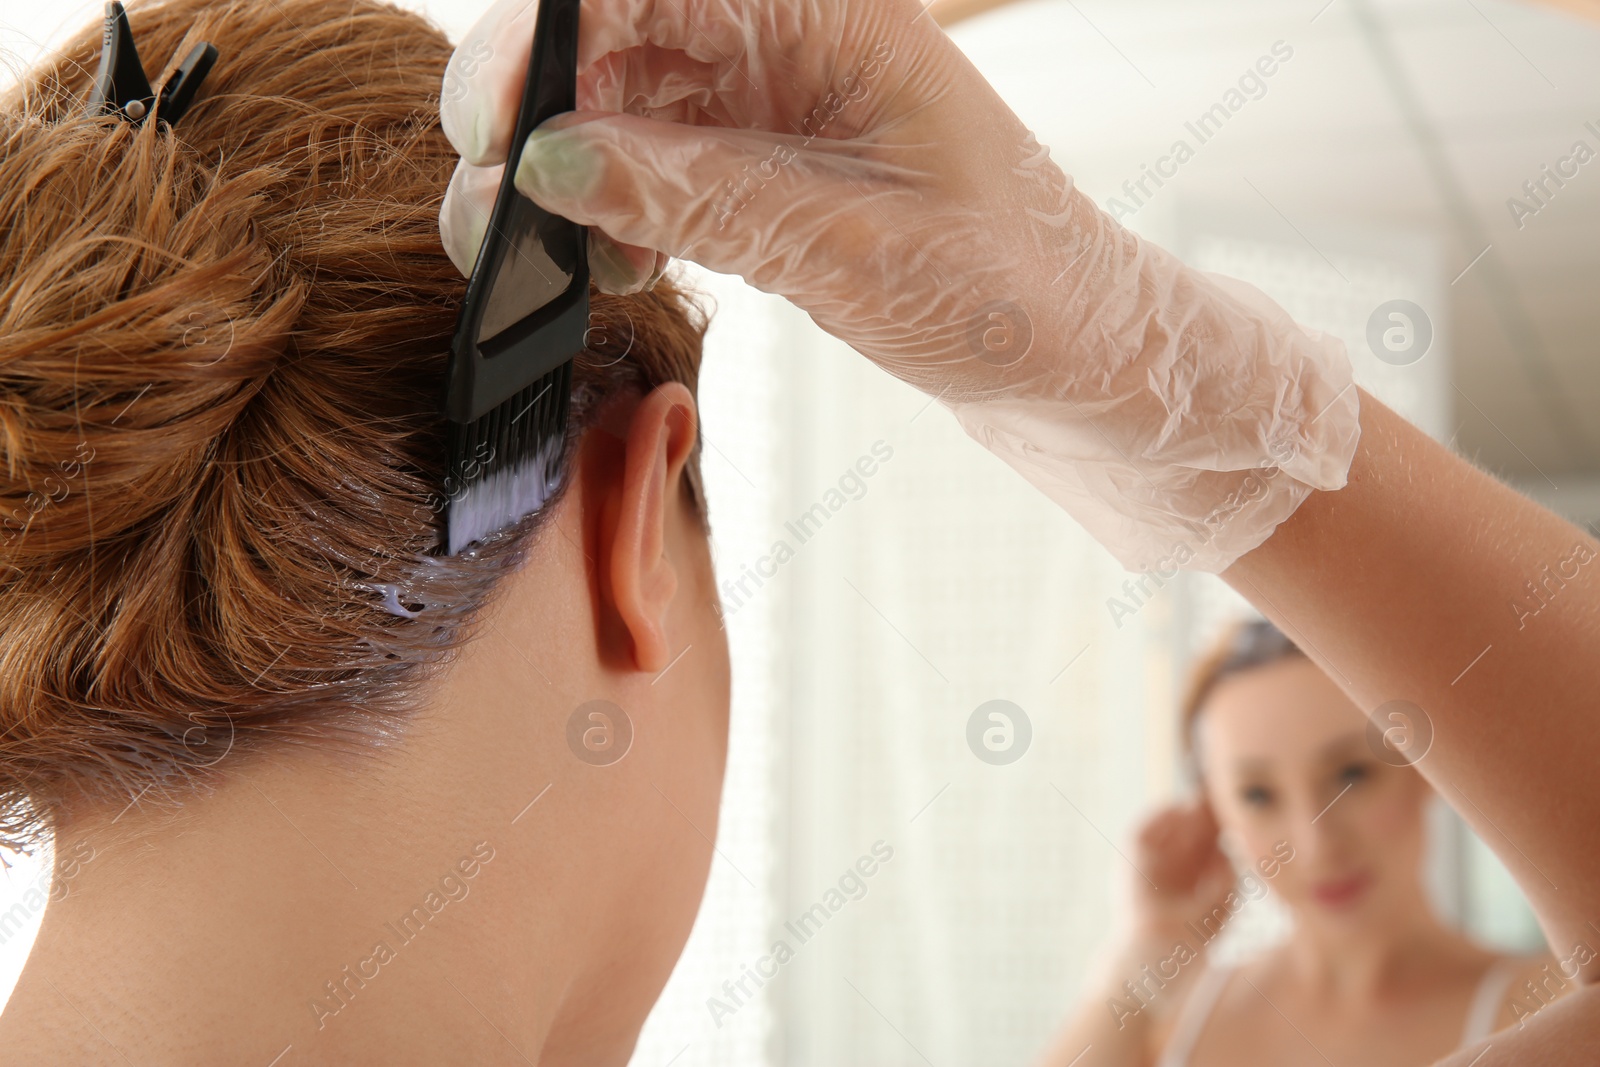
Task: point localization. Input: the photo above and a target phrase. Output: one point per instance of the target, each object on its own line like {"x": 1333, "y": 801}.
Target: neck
{"x": 482, "y": 886}
{"x": 1360, "y": 960}
{"x": 394, "y": 906}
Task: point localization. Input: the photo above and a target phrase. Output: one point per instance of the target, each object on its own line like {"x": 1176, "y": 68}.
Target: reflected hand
{"x": 1186, "y": 875}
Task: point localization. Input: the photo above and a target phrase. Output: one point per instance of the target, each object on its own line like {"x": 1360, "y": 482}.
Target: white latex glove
{"x": 848, "y": 157}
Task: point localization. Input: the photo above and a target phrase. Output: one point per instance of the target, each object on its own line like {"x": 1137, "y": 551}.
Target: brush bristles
{"x": 503, "y": 498}
{"x": 506, "y": 465}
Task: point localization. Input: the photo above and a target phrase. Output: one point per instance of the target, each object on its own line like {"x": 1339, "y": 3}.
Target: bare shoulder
{"x": 1564, "y": 1033}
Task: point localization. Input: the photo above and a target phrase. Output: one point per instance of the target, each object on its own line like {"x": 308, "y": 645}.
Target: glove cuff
{"x": 1229, "y": 420}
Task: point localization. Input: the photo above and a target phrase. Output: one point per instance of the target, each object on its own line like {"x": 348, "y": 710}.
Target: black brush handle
{"x": 486, "y": 374}
{"x": 552, "y": 85}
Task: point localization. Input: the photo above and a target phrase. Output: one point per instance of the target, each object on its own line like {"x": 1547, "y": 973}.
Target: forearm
{"x": 1411, "y": 583}
{"x": 1586, "y": 8}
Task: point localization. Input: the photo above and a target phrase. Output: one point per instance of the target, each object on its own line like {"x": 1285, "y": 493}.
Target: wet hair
{"x": 1245, "y": 646}
{"x": 222, "y": 353}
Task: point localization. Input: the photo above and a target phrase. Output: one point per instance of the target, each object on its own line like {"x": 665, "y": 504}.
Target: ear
{"x": 658, "y": 440}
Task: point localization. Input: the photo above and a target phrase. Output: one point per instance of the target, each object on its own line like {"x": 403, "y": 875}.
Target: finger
{"x": 1161, "y": 824}
{"x": 464, "y": 215}
{"x": 484, "y": 79}
{"x": 722, "y": 61}
{"x": 711, "y": 31}
{"x": 662, "y": 262}
{"x": 622, "y": 269}
{"x": 649, "y": 58}
{"x": 619, "y": 269}
{"x": 719, "y": 197}
{"x": 756, "y": 43}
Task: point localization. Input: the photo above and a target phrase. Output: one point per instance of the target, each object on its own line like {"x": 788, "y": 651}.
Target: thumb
{"x": 673, "y": 187}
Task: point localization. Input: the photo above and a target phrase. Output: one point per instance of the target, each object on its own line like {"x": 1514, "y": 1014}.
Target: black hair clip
{"x": 121, "y": 86}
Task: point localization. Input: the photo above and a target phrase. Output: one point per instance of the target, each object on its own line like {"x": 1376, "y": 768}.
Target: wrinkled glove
{"x": 848, "y": 157}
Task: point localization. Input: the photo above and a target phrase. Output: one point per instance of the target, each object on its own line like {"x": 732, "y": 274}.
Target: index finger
{"x": 483, "y": 81}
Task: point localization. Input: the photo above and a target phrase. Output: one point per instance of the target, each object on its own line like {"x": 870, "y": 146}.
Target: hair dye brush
{"x": 523, "y": 320}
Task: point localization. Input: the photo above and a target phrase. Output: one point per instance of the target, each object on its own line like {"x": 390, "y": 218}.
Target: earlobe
{"x": 644, "y": 578}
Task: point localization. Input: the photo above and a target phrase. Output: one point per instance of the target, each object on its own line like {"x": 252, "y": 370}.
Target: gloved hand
{"x": 849, "y": 158}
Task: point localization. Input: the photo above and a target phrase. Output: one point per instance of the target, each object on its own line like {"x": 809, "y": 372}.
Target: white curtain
{"x": 871, "y": 615}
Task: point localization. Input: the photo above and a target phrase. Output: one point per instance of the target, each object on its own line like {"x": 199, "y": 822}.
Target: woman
{"x": 1369, "y": 975}
{"x": 317, "y": 793}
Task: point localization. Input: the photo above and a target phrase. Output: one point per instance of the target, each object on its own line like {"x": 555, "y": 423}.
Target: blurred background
{"x": 1398, "y": 152}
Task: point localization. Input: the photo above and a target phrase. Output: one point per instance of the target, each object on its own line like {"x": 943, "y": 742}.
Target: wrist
{"x": 1148, "y": 945}
{"x": 1139, "y": 974}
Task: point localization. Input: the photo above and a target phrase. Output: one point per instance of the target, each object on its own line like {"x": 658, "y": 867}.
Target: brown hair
{"x": 222, "y": 351}
{"x": 1245, "y": 646}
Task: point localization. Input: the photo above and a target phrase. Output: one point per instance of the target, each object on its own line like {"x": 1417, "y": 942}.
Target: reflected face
{"x": 1284, "y": 756}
